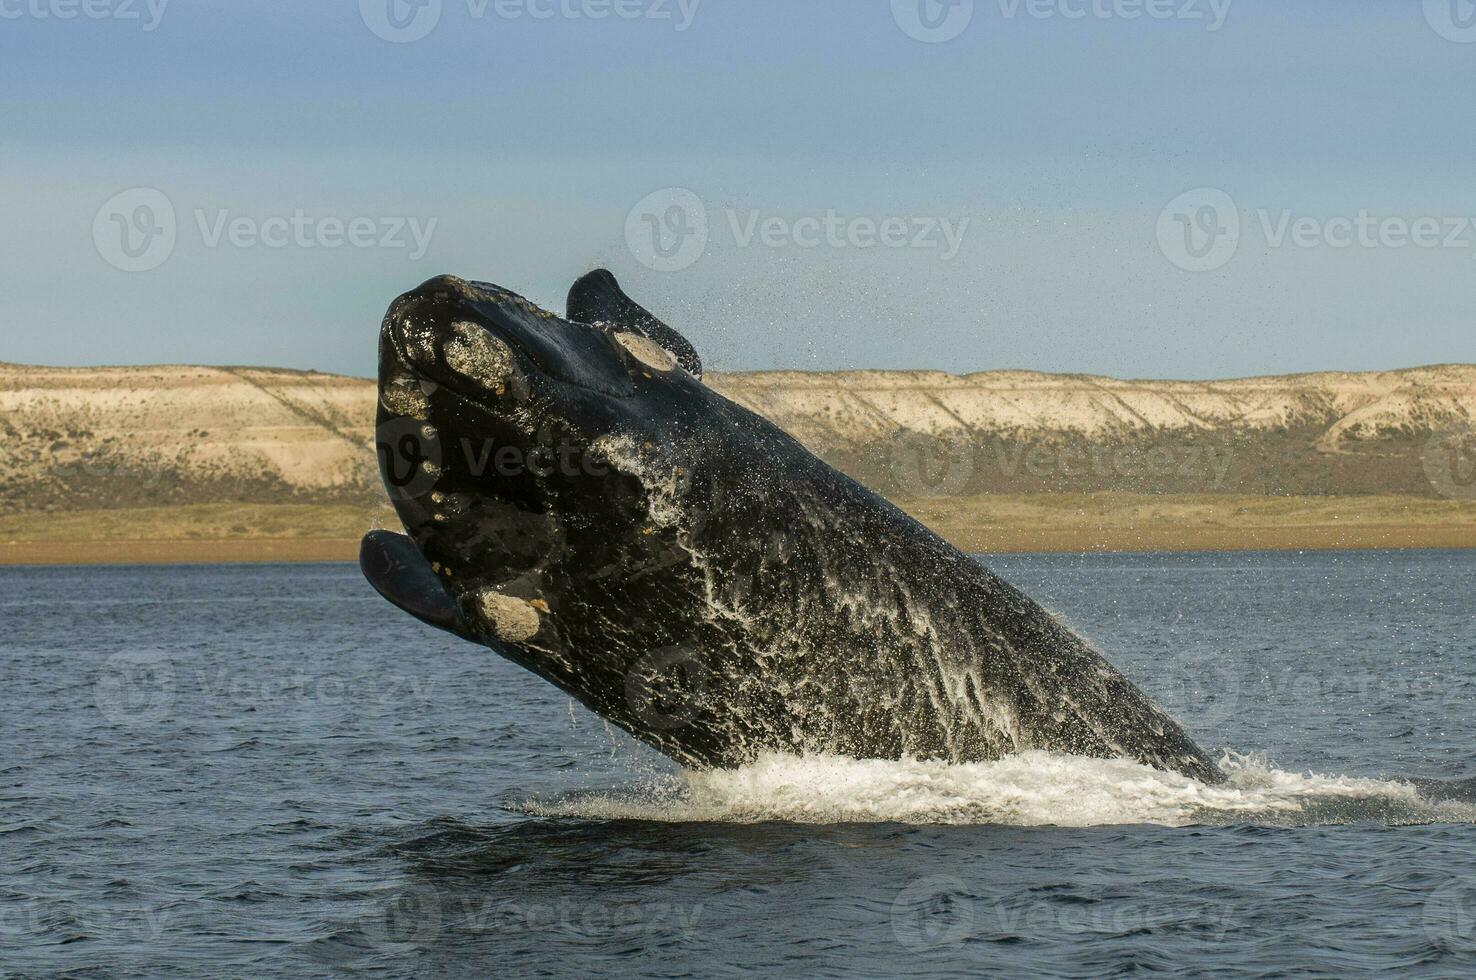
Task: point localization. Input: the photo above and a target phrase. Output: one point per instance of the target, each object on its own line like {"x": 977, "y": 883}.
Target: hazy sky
{"x": 859, "y": 183}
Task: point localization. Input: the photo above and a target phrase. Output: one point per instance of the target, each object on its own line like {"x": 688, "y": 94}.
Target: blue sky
{"x": 518, "y": 145}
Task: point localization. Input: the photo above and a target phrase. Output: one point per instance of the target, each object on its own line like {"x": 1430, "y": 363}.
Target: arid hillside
{"x": 79, "y": 438}
{"x": 89, "y": 438}
{"x": 933, "y": 434}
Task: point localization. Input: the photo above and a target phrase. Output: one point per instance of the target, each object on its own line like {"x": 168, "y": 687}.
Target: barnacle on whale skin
{"x": 509, "y": 618}
{"x": 475, "y": 354}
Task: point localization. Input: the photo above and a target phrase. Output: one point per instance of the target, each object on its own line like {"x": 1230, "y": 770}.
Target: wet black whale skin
{"x": 714, "y": 588}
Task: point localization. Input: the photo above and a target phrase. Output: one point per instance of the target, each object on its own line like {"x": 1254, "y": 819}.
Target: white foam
{"x": 1028, "y": 789}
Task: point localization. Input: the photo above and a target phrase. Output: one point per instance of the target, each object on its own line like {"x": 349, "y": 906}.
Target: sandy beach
{"x": 1108, "y": 522}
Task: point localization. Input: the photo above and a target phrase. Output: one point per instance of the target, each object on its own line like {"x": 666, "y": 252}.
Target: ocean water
{"x": 254, "y": 771}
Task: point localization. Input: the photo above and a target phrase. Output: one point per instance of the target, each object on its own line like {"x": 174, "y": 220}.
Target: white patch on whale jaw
{"x": 647, "y": 351}
{"x": 478, "y": 356}
{"x": 511, "y": 619}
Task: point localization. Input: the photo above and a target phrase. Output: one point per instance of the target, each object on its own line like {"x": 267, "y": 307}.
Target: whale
{"x": 577, "y": 500}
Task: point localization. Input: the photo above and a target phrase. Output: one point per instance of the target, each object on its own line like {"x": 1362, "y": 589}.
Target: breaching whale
{"x": 579, "y": 501}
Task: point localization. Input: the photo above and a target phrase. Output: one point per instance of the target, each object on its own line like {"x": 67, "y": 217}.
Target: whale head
{"x": 546, "y": 470}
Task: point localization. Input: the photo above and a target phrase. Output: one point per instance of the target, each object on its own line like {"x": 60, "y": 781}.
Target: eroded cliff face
{"x": 100, "y": 437}
{"x": 930, "y": 433}
{"x": 866, "y": 406}
{"x": 107, "y": 437}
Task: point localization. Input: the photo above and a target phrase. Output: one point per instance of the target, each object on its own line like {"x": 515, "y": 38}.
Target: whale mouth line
{"x": 522, "y": 346}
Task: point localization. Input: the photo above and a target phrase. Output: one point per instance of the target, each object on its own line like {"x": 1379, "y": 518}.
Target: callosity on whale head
{"x": 579, "y": 501}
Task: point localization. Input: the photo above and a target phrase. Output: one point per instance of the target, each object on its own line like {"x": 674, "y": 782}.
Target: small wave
{"x": 1028, "y": 789}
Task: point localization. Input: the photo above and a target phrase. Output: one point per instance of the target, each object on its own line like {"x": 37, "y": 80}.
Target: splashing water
{"x": 1027, "y": 789}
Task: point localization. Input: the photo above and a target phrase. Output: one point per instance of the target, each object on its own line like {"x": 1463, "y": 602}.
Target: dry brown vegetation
{"x": 200, "y": 464}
